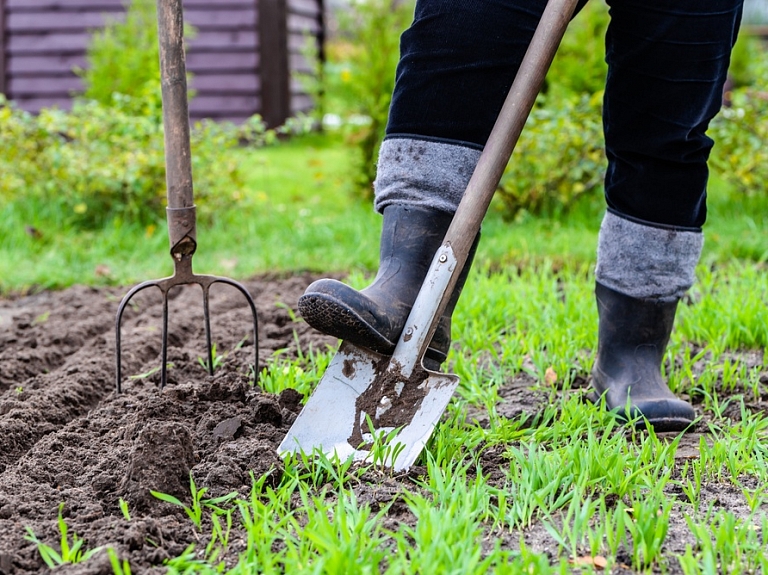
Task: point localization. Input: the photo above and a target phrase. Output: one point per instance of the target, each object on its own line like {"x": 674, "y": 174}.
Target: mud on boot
{"x": 633, "y": 334}
{"x": 375, "y": 316}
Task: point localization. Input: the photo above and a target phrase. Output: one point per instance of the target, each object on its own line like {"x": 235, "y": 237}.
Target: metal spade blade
{"x": 341, "y": 415}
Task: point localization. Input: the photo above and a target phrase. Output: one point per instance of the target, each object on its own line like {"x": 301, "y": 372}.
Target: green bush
{"x": 123, "y": 58}
{"x": 747, "y": 60}
{"x": 740, "y": 155}
{"x": 740, "y": 131}
{"x": 105, "y": 159}
{"x": 100, "y": 162}
{"x": 360, "y": 76}
{"x": 559, "y": 157}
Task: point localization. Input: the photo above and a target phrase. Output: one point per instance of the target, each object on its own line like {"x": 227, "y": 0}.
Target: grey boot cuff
{"x": 646, "y": 261}
{"x": 423, "y": 173}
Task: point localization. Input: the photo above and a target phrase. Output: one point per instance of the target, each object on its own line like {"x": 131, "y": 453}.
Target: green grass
{"x": 591, "y": 489}
{"x": 295, "y": 210}
{"x": 298, "y": 210}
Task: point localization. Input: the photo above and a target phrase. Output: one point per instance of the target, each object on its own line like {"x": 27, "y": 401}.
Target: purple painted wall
{"x": 241, "y": 58}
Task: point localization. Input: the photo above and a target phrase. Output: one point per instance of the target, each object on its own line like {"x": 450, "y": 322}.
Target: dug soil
{"x": 67, "y": 437}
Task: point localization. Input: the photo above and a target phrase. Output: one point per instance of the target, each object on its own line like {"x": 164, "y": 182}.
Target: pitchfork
{"x": 181, "y": 209}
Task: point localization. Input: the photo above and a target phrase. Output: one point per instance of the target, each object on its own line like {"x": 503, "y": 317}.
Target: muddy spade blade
{"x": 363, "y": 394}
{"x": 356, "y": 403}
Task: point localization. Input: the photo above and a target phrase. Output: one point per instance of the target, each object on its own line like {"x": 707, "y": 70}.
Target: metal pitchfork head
{"x": 182, "y": 226}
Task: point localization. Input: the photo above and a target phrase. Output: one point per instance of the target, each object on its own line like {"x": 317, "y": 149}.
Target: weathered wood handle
{"x": 182, "y": 220}
{"x": 173, "y": 74}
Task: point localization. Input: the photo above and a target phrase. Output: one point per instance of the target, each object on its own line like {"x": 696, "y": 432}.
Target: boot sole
{"x": 661, "y": 425}
{"x": 335, "y": 318}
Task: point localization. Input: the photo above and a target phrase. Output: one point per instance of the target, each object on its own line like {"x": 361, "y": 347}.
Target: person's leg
{"x": 458, "y": 60}
{"x": 667, "y": 63}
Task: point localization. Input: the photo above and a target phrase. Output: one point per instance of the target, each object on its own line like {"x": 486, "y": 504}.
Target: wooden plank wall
{"x": 2, "y": 47}
{"x": 233, "y": 69}
{"x": 305, "y": 24}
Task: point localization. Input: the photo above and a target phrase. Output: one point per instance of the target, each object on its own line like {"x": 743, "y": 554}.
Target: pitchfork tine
{"x": 164, "y": 351}
{"x": 183, "y": 275}
{"x": 119, "y": 319}
{"x": 182, "y": 227}
{"x": 208, "y": 330}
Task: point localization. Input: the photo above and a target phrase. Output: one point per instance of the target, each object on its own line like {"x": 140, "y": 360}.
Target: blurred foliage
{"x": 740, "y": 155}
{"x": 748, "y": 61}
{"x": 559, "y": 157}
{"x": 105, "y": 158}
{"x": 360, "y": 76}
{"x": 100, "y": 162}
{"x": 579, "y": 66}
{"x": 123, "y": 58}
{"x": 740, "y": 131}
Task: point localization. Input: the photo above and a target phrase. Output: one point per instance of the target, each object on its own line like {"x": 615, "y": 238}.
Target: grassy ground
{"x": 552, "y": 489}
{"x": 298, "y": 211}
{"x": 559, "y": 486}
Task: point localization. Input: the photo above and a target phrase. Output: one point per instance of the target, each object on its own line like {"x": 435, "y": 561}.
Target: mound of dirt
{"x": 66, "y": 436}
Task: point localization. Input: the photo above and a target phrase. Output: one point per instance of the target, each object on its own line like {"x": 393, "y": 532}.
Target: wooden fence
{"x": 243, "y": 58}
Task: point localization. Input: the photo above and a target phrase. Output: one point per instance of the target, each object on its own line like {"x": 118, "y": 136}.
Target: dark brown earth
{"x": 66, "y": 436}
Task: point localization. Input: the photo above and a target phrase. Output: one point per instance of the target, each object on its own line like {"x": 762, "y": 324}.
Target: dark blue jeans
{"x": 667, "y": 63}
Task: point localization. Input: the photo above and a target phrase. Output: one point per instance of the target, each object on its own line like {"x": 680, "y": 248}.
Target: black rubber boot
{"x": 374, "y": 316}
{"x": 632, "y": 337}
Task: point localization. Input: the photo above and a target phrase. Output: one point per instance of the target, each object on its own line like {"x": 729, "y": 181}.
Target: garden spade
{"x": 383, "y": 409}
{"x": 182, "y": 229}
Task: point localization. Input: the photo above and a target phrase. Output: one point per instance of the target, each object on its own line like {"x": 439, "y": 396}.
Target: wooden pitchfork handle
{"x": 182, "y": 222}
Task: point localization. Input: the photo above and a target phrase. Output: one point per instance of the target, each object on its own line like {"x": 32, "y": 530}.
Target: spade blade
{"x": 361, "y": 398}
